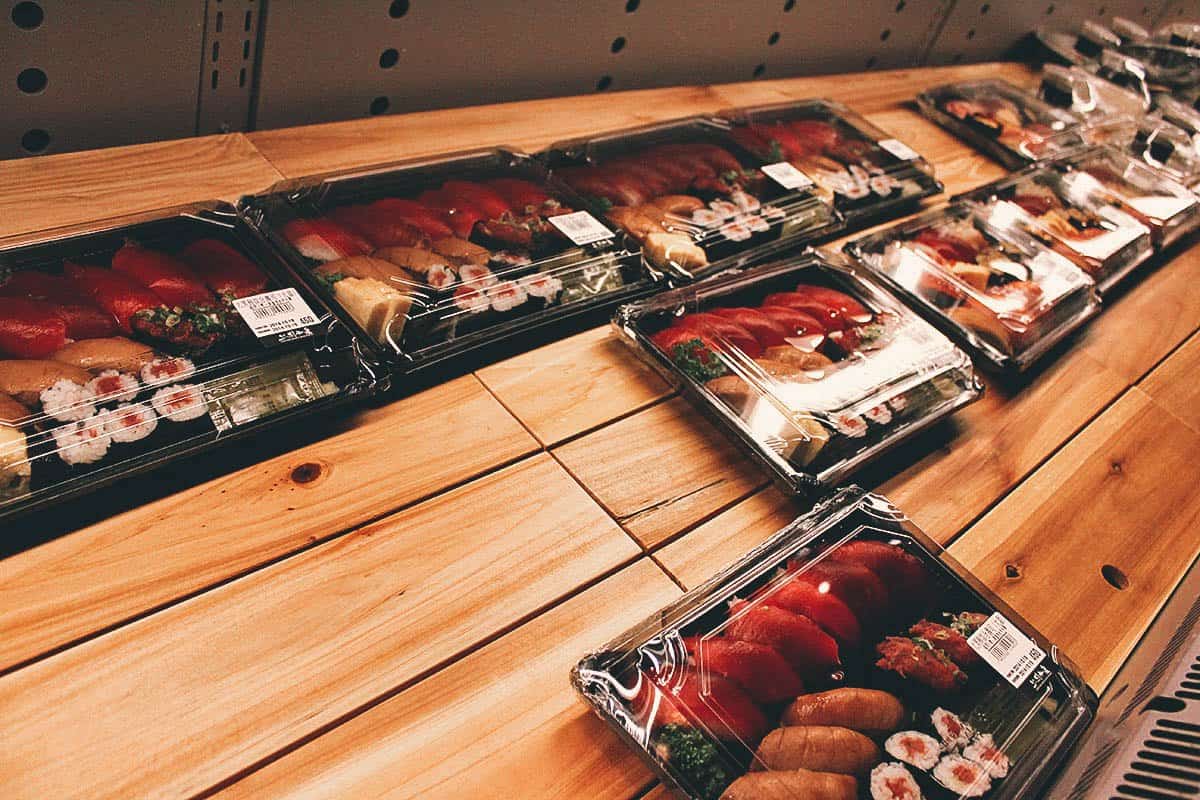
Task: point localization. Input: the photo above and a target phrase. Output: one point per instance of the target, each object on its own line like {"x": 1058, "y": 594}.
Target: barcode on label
{"x": 1010, "y": 652}
{"x": 275, "y": 312}
{"x": 899, "y": 149}
{"x": 581, "y": 227}
{"x": 787, "y": 175}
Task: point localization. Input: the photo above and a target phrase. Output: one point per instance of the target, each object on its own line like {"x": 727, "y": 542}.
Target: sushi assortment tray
{"x": 814, "y": 368}
{"x": 846, "y": 657}
{"x": 1010, "y": 125}
{"x": 132, "y": 344}
{"x": 985, "y": 280}
{"x": 433, "y": 259}
{"x": 1169, "y": 57}
{"x": 692, "y": 195}
{"x": 859, "y": 169}
{"x": 1073, "y": 211}
{"x": 1103, "y": 103}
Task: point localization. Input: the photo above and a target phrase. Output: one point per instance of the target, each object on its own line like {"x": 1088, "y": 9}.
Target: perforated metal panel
{"x": 228, "y": 58}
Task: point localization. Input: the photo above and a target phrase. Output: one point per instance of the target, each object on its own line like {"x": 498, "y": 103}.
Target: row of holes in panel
{"x": 219, "y": 25}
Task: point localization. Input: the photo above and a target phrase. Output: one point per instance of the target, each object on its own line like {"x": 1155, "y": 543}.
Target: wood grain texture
{"x": 1112, "y": 496}
{"x": 661, "y": 470}
{"x": 110, "y": 571}
{"x": 574, "y": 384}
{"x": 503, "y": 721}
{"x": 174, "y": 703}
{"x": 72, "y": 188}
{"x": 1174, "y": 386}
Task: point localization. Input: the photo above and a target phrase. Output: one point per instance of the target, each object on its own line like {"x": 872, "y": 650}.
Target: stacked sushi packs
{"x": 841, "y": 659}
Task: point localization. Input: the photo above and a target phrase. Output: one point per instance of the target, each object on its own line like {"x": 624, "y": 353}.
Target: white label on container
{"x": 273, "y": 313}
{"x": 787, "y": 176}
{"x": 899, "y": 149}
{"x": 1010, "y": 652}
{"x": 581, "y": 227}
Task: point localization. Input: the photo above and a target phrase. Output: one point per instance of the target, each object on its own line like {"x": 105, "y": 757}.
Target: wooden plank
{"x": 122, "y": 566}
{"x": 661, "y": 470}
{"x": 574, "y": 384}
{"x": 73, "y": 188}
{"x": 1113, "y": 497}
{"x": 181, "y": 700}
{"x": 503, "y": 721}
{"x": 1173, "y": 384}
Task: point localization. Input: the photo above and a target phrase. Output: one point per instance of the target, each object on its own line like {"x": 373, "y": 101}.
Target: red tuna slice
{"x": 829, "y": 318}
{"x": 900, "y": 570}
{"x": 853, "y": 584}
{"x": 948, "y": 247}
{"x": 816, "y": 135}
{"x": 378, "y": 227}
{"x": 753, "y": 139}
{"x": 486, "y": 199}
{"x": 459, "y": 213}
{"x": 430, "y": 221}
{"x": 710, "y": 702}
{"x": 30, "y": 328}
{"x": 758, "y": 668}
{"x": 167, "y": 277}
{"x": 768, "y": 331}
{"x": 226, "y": 271}
{"x": 648, "y": 176}
{"x": 804, "y": 331}
{"x": 801, "y": 641}
{"x": 521, "y": 195}
{"x": 1035, "y": 204}
{"x": 669, "y": 339}
{"x": 718, "y": 328}
{"x": 83, "y": 319}
{"x": 790, "y": 144}
{"x": 822, "y": 607}
{"x": 324, "y": 240}
{"x": 120, "y": 296}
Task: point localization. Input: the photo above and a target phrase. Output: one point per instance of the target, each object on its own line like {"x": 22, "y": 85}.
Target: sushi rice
{"x": 167, "y": 370}
{"x": 179, "y": 403}
{"x": 892, "y": 781}
{"x": 67, "y": 401}
{"x": 983, "y": 751}
{"x": 81, "y": 442}
{"x": 962, "y": 776}
{"x": 111, "y": 386}
{"x": 913, "y": 747}
{"x": 954, "y": 732}
{"x": 129, "y": 422}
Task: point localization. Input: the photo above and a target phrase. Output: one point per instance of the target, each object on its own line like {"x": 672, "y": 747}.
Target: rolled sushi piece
{"x": 179, "y": 403}
{"x": 984, "y": 752}
{"x": 892, "y": 781}
{"x": 913, "y": 747}
{"x": 954, "y": 732}
{"x": 111, "y": 386}
{"x": 129, "y": 422}
{"x": 82, "y": 442}
{"x": 68, "y": 401}
{"x": 167, "y": 370}
{"x": 962, "y": 776}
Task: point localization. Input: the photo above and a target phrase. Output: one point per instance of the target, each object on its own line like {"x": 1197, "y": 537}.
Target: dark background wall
{"x": 76, "y": 75}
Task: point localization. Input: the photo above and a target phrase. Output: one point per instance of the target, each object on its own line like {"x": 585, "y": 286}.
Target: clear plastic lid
{"x": 1167, "y": 148}
{"x": 1128, "y": 30}
{"x": 1180, "y": 34}
{"x": 134, "y": 343}
{"x": 1081, "y": 47}
{"x": 435, "y": 258}
{"x": 864, "y": 172}
{"x": 987, "y": 282}
{"x": 1182, "y": 115}
{"x": 1071, "y": 212}
{"x": 846, "y": 657}
{"x": 1167, "y": 64}
{"x": 814, "y": 368}
{"x": 1110, "y": 110}
{"x": 1010, "y": 125}
{"x": 691, "y": 194}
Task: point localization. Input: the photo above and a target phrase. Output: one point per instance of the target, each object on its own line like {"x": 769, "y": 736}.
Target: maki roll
{"x": 82, "y": 442}
{"x": 954, "y": 732}
{"x": 112, "y": 386}
{"x": 983, "y": 751}
{"x": 962, "y": 776}
{"x": 67, "y": 401}
{"x": 180, "y": 403}
{"x": 167, "y": 370}
{"x": 893, "y": 781}
{"x": 913, "y": 747}
{"x": 129, "y": 422}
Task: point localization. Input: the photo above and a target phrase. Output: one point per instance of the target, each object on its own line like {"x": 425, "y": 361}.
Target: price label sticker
{"x": 273, "y": 315}
{"x": 581, "y": 227}
{"x": 1010, "y": 652}
{"x": 787, "y": 176}
{"x": 899, "y": 149}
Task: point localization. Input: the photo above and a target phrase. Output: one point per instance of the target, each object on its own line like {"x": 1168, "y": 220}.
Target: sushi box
{"x": 692, "y": 195}
{"x": 1103, "y": 103}
{"x": 1173, "y": 65}
{"x": 1071, "y": 211}
{"x": 134, "y": 343}
{"x": 1081, "y": 47}
{"x": 990, "y": 285}
{"x": 1008, "y": 124}
{"x": 811, "y": 365}
{"x": 431, "y": 260}
{"x": 1182, "y": 115}
{"x": 866, "y": 174}
{"x": 1180, "y": 34}
{"x": 1167, "y": 148}
{"x": 846, "y": 657}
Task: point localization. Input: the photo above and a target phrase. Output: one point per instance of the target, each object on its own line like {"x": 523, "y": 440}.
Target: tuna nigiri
{"x": 485, "y": 198}
{"x": 115, "y": 293}
{"x": 378, "y": 227}
{"x": 167, "y": 277}
{"x": 30, "y": 328}
{"x": 710, "y": 701}
{"x": 822, "y": 607}
{"x": 801, "y": 641}
{"x": 758, "y": 668}
{"x": 855, "y": 585}
{"x": 226, "y": 271}
{"x": 83, "y": 319}
{"x": 524, "y": 197}
{"x": 432, "y": 223}
{"x": 460, "y": 214}
{"x": 324, "y": 240}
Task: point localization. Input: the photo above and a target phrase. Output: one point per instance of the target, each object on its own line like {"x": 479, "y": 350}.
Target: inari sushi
{"x": 962, "y": 776}
{"x": 913, "y": 747}
{"x": 892, "y": 781}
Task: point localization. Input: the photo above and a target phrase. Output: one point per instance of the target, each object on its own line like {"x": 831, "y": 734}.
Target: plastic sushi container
{"x": 1167, "y": 64}
{"x": 432, "y": 260}
{"x": 1167, "y": 148}
{"x": 1180, "y": 114}
{"x": 1097, "y": 99}
{"x": 865, "y": 173}
{"x": 1081, "y": 47}
{"x": 1008, "y": 124}
{"x": 809, "y": 364}
{"x": 697, "y": 201}
{"x": 989, "y": 284}
{"x": 846, "y": 657}
{"x": 1073, "y": 213}
{"x": 134, "y": 343}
